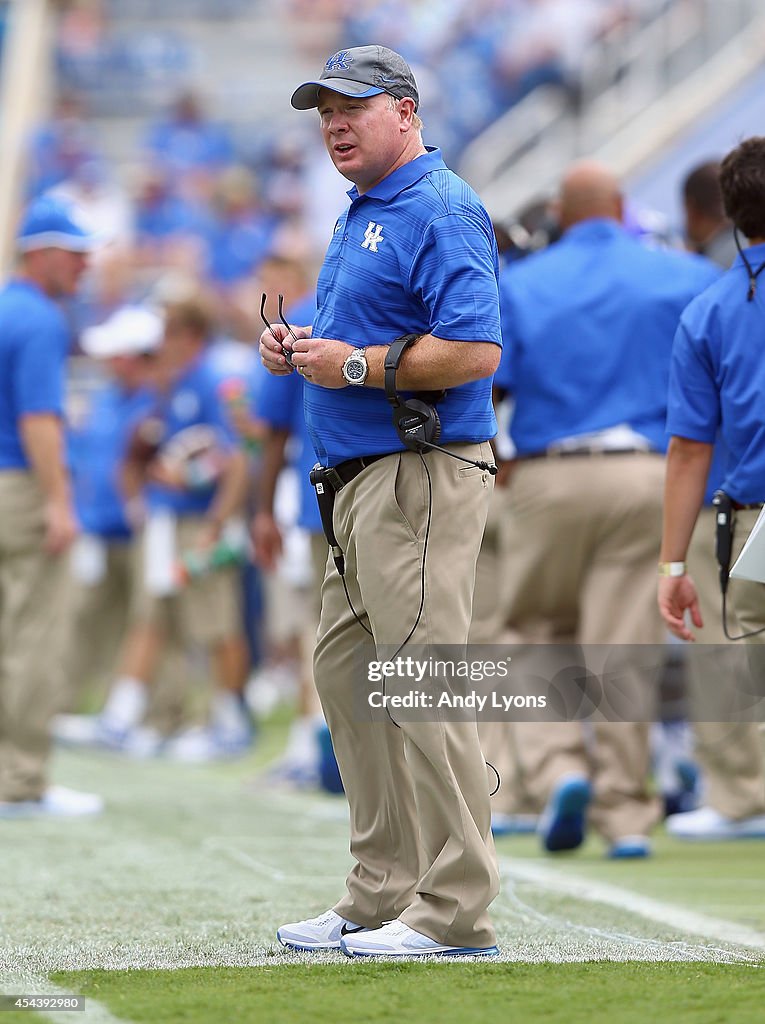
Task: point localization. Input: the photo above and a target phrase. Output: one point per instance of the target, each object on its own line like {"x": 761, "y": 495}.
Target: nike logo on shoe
{"x": 345, "y": 930}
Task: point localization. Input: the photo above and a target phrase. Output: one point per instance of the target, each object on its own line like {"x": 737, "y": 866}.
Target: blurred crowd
{"x": 500, "y": 50}
{"x": 201, "y": 200}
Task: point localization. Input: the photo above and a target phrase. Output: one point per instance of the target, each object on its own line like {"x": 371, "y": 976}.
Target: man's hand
{"x": 676, "y": 594}
{"x": 266, "y": 540}
{"x": 208, "y": 536}
{"x": 320, "y": 360}
{"x": 166, "y": 474}
{"x": 60, "y": 527}
{"x": 505, "y": 469}
{"x": 272, "y": 345}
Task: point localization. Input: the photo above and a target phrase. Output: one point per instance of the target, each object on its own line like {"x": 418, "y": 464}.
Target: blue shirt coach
{"x": 718, "y": 378}
{"x": 410, "y": 256}
{"x": 34, "y": 343}
{"x": 580, "y": 355}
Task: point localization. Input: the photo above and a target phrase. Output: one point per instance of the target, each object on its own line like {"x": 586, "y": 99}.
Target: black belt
{"x": 741, "y": 508}
{"x": 564, "y": 453}
{"x": 344, "y": 472}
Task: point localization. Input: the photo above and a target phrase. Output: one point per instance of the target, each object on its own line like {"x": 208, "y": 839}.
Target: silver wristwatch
{"x": 355, "y": 367}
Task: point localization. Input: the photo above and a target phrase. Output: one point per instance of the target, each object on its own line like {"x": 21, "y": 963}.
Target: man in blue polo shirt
{"x": 193, "y": 507}
{"x": 414, "y": 254}
{"x": 588, "y": 326}
{"x": 717, "y": 386}
{"x": 37, "y": 520}
{"x": 104, "y": 563}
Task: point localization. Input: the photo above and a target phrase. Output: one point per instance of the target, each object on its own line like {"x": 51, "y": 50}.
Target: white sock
{"x": 302, "y": 744}
{"x": 126, "y": 703}
{"x": 228, "y": 713}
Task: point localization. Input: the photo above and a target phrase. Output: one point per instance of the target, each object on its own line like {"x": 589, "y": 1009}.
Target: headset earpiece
{"x": 415, "y": 421}
{"x": 417, "y": 424}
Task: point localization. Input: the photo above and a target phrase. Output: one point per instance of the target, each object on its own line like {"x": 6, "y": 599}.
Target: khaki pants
{"x": 418, "y": 794}
{"x": 580, "y": 545}
{"x": 33, "y": 589}
{"x": 98, "y": 618}
{"x": 730, "y": 753}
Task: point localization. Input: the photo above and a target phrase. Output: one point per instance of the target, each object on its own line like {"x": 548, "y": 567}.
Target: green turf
{"x": 448, "y": 993}
{"x": 722, "y": 879}
{"x": 188, "y": 873}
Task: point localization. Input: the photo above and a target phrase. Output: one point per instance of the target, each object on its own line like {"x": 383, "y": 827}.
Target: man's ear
{"x": 406, "y": 112}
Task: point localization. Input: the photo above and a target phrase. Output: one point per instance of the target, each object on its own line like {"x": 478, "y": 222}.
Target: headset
{"x": 753, "y": 274}
{"x": 416, "y": 419}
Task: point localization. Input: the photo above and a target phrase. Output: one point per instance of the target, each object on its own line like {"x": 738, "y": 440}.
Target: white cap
{"x": 131, "y": 331}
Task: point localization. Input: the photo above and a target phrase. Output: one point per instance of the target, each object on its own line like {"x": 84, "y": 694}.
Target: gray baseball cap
{"x": 361, "y": 71}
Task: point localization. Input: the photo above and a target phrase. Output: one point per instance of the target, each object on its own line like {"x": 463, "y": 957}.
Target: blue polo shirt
{"x": 414, "y": 255}
{"x": 96, "y": 450}
{"x": 587, "y": 327}
{"x": 717, "y": 378}
{"x": 280, "y": 404}
{"x": 34, "y": 343}
{"x": 194, "y": 399}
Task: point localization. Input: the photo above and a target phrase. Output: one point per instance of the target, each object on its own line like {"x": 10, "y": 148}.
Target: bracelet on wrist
{"x": 672, "y": 569}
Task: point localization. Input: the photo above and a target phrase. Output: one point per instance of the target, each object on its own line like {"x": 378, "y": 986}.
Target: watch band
{"x": 672, "y": 568}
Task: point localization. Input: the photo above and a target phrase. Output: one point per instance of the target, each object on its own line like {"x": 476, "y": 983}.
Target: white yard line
{"x": 677, "y": 918}
{"x": 229, "y": 847}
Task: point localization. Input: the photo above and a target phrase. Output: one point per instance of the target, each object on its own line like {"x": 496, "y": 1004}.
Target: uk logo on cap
{"x": 339, "y": 61}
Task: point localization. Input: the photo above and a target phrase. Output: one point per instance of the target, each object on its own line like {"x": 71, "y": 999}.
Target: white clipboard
{"x": 750, "y": 564}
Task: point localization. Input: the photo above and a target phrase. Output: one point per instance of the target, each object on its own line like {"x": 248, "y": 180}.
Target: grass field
{"x": 164, "y": 910}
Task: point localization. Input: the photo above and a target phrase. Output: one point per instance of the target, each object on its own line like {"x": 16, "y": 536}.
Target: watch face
{"x": 355, "y": 369}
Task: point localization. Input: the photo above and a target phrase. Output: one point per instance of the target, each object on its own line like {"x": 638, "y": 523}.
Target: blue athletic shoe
{"x": 630, "y": 848}
{"x": 396, "y": 939}
{"x": 563, "y": 823}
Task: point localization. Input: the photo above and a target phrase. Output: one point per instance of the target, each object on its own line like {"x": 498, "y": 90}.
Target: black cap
{"x": 361, "y": 71}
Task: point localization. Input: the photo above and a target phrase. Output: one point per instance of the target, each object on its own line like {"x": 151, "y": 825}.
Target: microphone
{"x": 489, "y": 467}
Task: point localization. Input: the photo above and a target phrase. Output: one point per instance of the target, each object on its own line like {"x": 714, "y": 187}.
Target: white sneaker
{"x": 202, "y": 745}
{"x": 397, "y": 939}
{"x": 56, "y": 802}
{"x": 141, "y": 741}
{"x": 76, "y": 730}
{"x": 270, "y": 687}
{"x": 705, "y": 823}
{"x": 324, "y": 932}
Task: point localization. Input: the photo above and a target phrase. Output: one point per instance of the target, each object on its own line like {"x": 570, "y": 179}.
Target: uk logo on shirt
{"x": 372, "y": 236}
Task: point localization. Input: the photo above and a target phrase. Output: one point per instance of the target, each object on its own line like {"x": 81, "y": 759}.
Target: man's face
{"x": 133, "y": 371}
{"x": 364, "y": 137}
{"x": 61, "y": 271}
